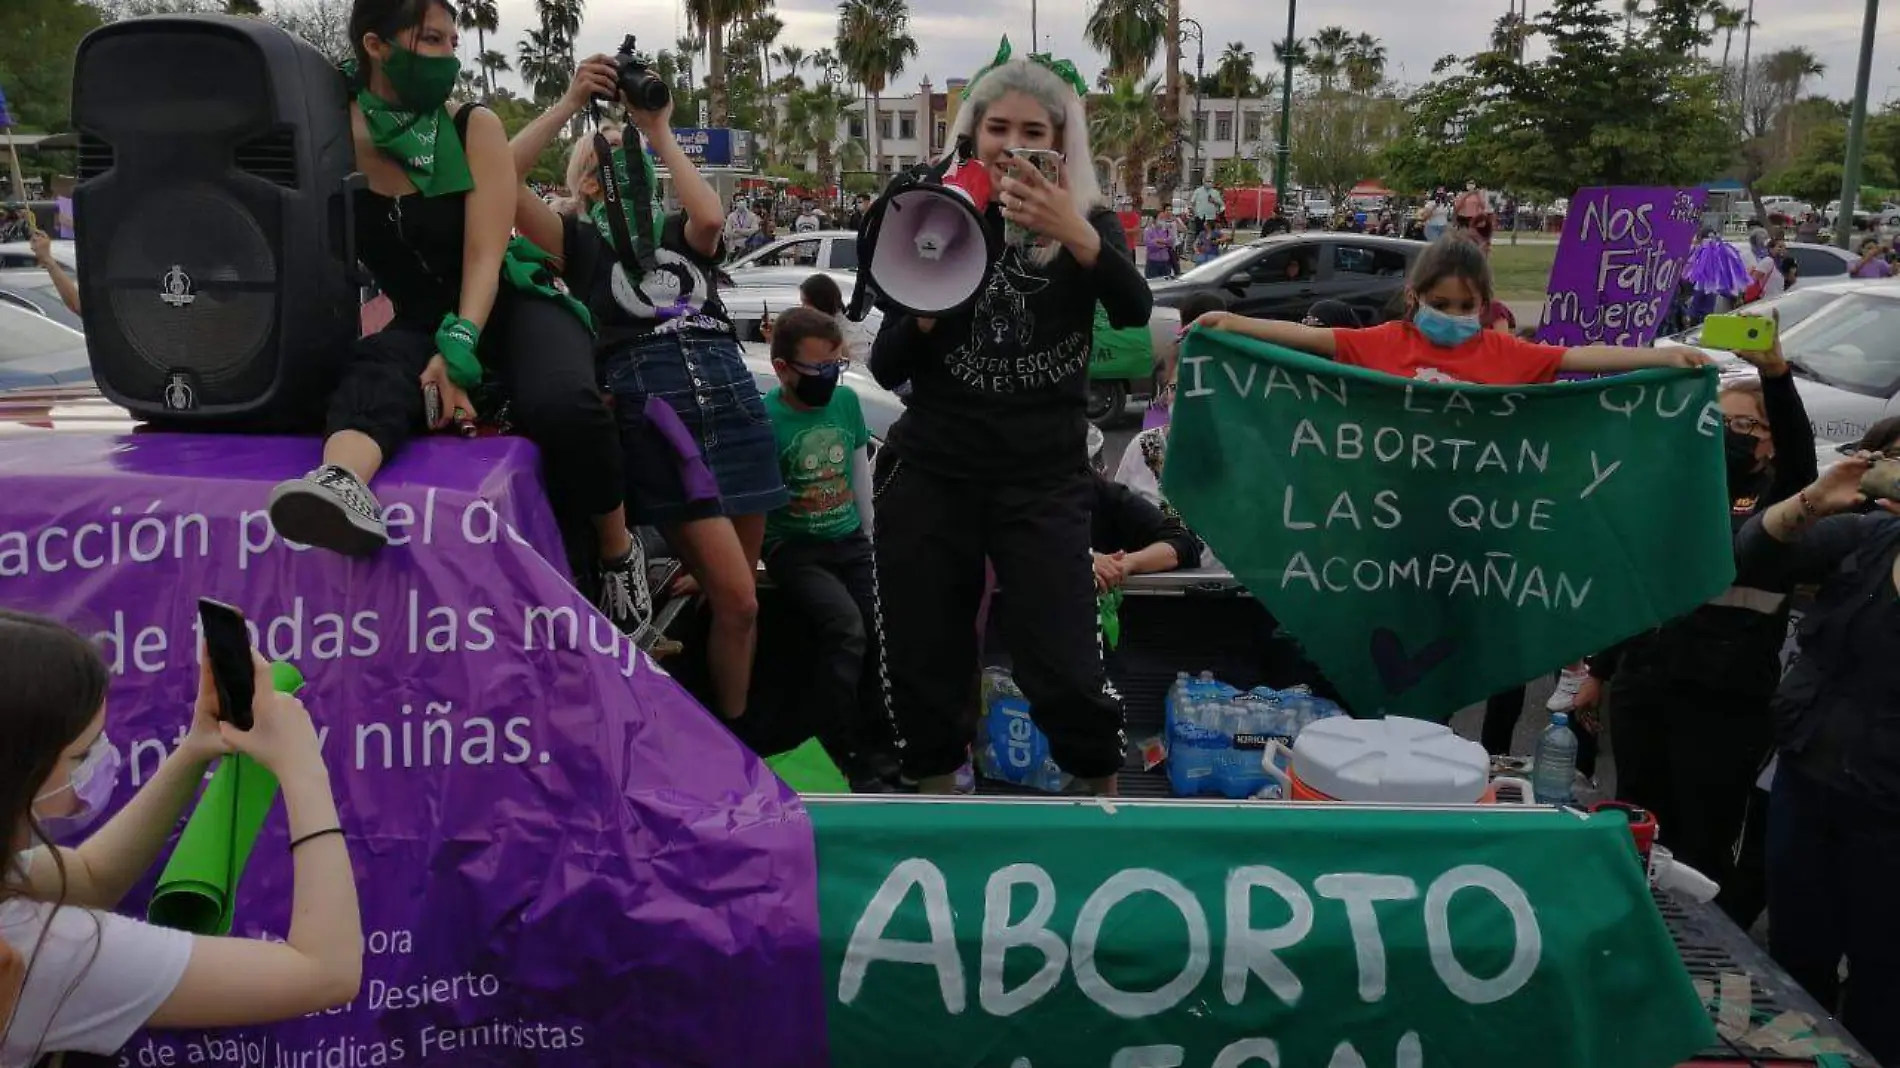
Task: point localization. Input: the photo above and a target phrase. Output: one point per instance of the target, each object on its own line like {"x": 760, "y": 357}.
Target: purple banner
{"x": 63, "y": 222}
{"x": 563, "y": 860}
{"x": 1618, "y": 264}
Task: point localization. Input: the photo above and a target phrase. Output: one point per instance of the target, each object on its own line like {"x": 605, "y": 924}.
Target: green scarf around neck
{"x": 423, "y": 143}
{"x": 622, "y": 180}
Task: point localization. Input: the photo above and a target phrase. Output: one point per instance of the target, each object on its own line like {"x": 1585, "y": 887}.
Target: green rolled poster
{"x": 198, "y": 888}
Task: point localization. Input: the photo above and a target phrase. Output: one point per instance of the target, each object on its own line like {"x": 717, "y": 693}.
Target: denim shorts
{"x": 694, "y": 431}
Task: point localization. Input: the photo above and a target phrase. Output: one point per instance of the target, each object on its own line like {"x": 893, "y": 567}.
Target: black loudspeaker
{"x": 214, "y": 223}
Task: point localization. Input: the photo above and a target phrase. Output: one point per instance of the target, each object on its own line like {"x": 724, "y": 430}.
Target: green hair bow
{"x": 1061, "y": 68}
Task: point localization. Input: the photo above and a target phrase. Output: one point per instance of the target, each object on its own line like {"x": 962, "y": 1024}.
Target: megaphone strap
{"x": 636, "y": 250}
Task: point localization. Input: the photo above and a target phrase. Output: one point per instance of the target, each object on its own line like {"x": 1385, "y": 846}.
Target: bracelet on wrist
{"x": 295, "y": 842}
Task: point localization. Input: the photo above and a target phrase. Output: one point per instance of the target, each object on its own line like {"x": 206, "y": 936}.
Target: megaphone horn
{"x": 926, "y": 248}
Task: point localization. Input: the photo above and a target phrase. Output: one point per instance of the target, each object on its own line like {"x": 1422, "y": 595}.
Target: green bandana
{"x": 525, "y": 267}
{"x": 1062, "y": 68}
{"x": 618, "y": 162}
{"x": 424, "y": 143}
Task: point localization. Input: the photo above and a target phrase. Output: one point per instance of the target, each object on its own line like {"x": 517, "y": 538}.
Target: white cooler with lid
{"x": 1392, "y": 760}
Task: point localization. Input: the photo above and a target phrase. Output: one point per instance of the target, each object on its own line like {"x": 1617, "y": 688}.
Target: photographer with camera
{"x": 700, "y": 457}
{"x": 92, "y": 978}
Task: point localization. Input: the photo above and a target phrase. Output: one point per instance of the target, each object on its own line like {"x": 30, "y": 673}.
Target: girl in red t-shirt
{"x": 1442, "y": 336}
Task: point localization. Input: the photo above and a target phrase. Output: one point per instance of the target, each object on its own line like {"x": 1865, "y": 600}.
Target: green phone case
{"x": 1739, "y": 333}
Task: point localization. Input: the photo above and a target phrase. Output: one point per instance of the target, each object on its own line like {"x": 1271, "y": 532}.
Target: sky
{"x": 958, "y": 36}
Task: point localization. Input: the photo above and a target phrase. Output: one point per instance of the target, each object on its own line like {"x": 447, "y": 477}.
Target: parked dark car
{"x": 1280, "y": 277}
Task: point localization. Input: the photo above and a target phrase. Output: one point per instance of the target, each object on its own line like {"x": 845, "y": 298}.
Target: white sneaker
{"x": 1564, "y": 697}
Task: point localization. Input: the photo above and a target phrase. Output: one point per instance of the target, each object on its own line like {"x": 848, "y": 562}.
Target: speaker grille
{"x": 95, "y": 157}
{"x": 215, "y": 242}
{"x": 272, "y": 157}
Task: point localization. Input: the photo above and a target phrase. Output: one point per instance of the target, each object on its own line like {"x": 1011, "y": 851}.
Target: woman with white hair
{"x": 990, "y": 459}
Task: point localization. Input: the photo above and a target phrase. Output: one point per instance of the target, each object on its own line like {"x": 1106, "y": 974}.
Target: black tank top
{"x": 412, "y": 246}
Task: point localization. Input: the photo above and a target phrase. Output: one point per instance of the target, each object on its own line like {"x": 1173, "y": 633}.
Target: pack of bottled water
{"x": 1009, "y": 748}
{"x": 1217, "y": 734}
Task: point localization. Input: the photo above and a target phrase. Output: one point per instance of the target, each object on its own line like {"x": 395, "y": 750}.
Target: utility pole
{"x": 1283, "y": 151}
{"x": 1033, "y": 38}
{"x": 1856, "y": 128}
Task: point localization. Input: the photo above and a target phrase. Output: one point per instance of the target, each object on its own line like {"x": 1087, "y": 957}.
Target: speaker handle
{"x": 347, "y": 188}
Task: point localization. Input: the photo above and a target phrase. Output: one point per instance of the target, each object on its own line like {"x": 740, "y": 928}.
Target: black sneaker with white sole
{"x": 624, "y": 596}
{"x": 330, "y": 509}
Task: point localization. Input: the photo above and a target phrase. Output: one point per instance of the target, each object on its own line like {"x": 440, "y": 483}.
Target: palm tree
{"x": 1509, "y": 34}
{"x": 543, "y": 64}
{"x": 1292, "y": 53}
{"x": 491, "y": 62}
{"x": 874, "y": 42}
{"x": 711, "y": 18}
{"x": 1726, "y": 21}
{"x": 812, "y": 116}
{"x": 1328, "y": 57}
{"x": 1787, "y": 73}
{"x": 1125, "y": 122}
{"x": 562, "y": 20}
{"x": 482, "y": 17}
{"x": 1630, "y": 10}
{"x": 1365, "y": 63}
{"x": 792, "y": 58}
{"x": 1234, "y": 74}
{"x": 1128, "y": 32}
{"x": 825, "y": 62}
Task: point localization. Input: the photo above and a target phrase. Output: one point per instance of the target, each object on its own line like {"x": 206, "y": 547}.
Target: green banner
{"x": 1432, "y": 544}
{"x": 1057, "y": 934}
{"x": 1127, "y": 353}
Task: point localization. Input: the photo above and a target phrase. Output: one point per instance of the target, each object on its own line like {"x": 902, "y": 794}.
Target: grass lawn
{"x": 1522, "y": 273}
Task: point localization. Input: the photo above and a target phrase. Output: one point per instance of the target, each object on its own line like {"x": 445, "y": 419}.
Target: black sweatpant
{"x": 1690, "y": 755}
{"x": 933, "y": 534}
{"x": 832, "y": 588}
{"x": 544, "y": 358}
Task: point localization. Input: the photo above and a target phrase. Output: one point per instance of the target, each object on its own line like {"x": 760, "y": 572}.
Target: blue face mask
{"x": 1445, "y": 331}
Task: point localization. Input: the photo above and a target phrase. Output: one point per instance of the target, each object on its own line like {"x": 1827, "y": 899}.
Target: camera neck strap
{"x": 634, "y": 238}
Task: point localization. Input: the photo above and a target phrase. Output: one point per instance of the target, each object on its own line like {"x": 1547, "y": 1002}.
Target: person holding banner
{"x": 1833, "y": 839}
{"x": 434, "y": 228}
{"x": 92, "y": 977}
{"x": 1442, "y": 337}
{"x": 701, "y": 459}
{"x": 990, "y": 458}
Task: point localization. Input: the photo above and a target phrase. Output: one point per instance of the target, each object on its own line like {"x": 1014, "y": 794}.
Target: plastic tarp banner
{"x": 562, "y": 859}
{"x": 1204, "y": 935}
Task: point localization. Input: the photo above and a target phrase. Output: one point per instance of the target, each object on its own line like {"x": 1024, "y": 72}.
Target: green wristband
{"x": 456, "y": 339}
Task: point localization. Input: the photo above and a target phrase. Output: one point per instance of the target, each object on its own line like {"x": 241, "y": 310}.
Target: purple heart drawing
{"x": 1399, "y": 671}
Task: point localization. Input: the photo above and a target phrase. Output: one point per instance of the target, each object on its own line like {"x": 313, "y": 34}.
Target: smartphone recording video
{"x": 228, "y": 650}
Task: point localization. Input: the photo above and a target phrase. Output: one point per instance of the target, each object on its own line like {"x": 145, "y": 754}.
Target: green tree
{"x": 812, "y": 119}
{"x": 874, "y": 44}
{"x": 1128, "y": 32}
{"x": 1548, "y": 127}
{"x": 1234, "y": 74}
{"x": 1326, "y": 56}
{"x": 1229, "y": 173}
{"x": 543, "y": 64}
{"x": 1337, "y": 137}
{"x": 483, "y": 17}
{"x": 37, "y": 42}
{"x": 1125, "y": 122}
{"x": 711, "y": 19}
{"x": 551, "y": 165}
{"x": 1815, "y": 175}
{"x": 1365, "y": 63}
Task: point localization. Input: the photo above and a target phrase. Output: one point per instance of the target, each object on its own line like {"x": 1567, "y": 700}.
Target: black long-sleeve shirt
{"x": 1733, "y": 644}
{"x": 1125, "y": 521}
{"x": 1000, "y": 390}
{"x": 1837, "y": 712}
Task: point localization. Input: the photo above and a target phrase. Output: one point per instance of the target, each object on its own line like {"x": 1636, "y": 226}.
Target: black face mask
{"x": 815, "y": 390}
{"x": 1739, "y": 449}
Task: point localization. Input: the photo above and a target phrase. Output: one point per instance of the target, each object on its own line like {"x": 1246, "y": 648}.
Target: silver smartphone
{"x": 1048, "y": 162}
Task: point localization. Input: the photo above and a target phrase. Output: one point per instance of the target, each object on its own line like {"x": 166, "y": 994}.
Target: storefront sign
{"x": 1432, "y": 544}
{"x": 1203, "y": 935}
{"x": 716, "y": 147}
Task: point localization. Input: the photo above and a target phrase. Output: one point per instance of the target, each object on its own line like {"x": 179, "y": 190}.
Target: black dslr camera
{"x": 640, "y": 88}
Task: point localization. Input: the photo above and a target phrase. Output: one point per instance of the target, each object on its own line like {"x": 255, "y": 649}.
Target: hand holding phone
{"x": 228, "y": 651}
{"x": 432, "y": 404}
{"x": 1739, "y": 333}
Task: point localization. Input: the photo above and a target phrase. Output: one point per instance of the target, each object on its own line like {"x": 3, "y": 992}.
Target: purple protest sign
{"x": 63, "y": 222}
{"x": 562, "y": 859}
{"x": 1618, "y": 264}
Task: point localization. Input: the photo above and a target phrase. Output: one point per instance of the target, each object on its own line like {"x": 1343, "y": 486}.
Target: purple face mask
{"x": 92, "y": 784}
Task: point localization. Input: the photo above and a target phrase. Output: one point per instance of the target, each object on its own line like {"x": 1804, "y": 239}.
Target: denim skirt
{"x": 694, "y": 431}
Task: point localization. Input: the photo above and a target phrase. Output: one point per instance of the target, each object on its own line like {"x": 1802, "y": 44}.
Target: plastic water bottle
{"x": 1555, "y": 769}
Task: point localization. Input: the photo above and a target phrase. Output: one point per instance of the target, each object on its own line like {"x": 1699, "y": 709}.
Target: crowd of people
{"x": 593, "y": 324}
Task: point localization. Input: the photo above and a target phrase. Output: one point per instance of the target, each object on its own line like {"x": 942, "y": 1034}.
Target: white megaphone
{"x": 925, "y": 248}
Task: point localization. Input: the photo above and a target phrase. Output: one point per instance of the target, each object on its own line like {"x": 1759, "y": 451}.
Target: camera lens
{"x": 647, "y": 92}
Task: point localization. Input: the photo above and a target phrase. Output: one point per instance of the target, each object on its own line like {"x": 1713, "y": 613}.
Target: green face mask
{"x": 422, "y": 83}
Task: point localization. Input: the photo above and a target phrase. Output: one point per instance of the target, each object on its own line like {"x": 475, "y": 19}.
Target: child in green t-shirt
{"x": 817, "y": 546}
